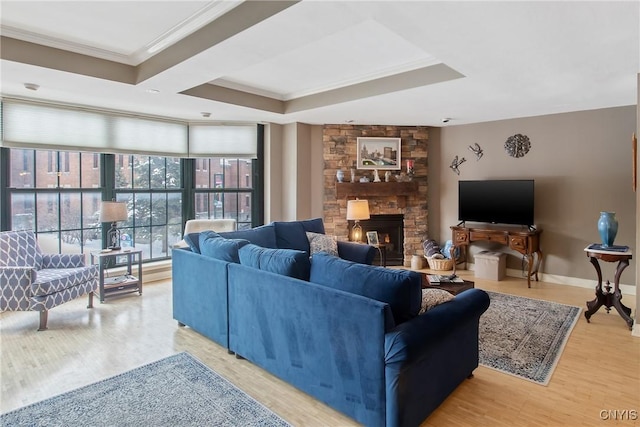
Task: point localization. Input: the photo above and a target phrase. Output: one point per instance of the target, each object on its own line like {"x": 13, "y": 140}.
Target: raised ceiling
{"x": 381, "y": 62}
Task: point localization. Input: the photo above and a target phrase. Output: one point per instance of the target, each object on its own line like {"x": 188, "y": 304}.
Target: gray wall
{"x": 581, "y": 164}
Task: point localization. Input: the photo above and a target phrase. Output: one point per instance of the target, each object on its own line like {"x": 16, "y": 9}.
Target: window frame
{"x": 108, "y": 165}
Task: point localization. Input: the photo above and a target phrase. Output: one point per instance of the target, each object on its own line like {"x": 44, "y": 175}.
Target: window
{"x": 51, "y": 164}
{"x": 65, "y": 163}
{"x": 26, "y": 159}
{"x": 58, "y": 194}
{"x": 151, "y": 186}
{"x": 219, "y": 193}
{"x": 59, "y": 209}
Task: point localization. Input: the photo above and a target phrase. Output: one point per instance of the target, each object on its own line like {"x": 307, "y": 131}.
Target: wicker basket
{"x": 440, "y": 264}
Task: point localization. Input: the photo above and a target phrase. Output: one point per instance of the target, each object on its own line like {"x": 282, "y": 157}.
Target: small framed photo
{"x": 372, "y": 238}
{"x": 378, "y": 153}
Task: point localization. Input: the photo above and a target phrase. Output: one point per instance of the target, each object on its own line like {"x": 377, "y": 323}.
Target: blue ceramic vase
{"x": 608, "y": 228}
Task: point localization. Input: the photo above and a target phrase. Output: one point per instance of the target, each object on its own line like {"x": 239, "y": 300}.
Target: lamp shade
{"x": 113, "y": 211}
{"x": 357, "y": 210}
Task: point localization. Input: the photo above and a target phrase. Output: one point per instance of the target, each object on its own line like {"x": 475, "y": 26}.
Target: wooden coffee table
{"x": 453, "y": 288}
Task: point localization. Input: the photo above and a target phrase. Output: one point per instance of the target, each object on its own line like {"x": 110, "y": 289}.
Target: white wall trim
{"x": 581, "y": 283}
{"x": 564, "y": 280}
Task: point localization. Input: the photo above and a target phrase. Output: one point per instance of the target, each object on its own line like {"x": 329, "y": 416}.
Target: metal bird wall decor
{"x": 477, "y": 151}
{"x": 456, "y": 163}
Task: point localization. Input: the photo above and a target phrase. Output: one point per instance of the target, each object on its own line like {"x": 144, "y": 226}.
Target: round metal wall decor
{"x": 517, "y": 145}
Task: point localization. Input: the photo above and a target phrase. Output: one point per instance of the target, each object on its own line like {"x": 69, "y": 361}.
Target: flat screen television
{"x": 496, "y": 201}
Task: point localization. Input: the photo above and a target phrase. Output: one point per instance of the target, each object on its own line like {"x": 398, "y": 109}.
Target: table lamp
{"x": 357, "y": 210}
{"x": 113, "y": 212}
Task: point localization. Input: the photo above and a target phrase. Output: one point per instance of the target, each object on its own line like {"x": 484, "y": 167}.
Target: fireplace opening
{"x": 390, "y": 229}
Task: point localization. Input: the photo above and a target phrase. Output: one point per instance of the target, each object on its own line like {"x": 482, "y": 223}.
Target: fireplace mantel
{"x": 377, "y": 189}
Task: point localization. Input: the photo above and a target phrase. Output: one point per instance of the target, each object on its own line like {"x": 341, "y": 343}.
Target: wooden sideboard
{"x": 522, "y": 240}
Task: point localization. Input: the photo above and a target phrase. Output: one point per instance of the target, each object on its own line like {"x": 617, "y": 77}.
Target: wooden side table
{"x": 522, "y": 240}
{"x": 607, "y": 298}
{"x": 122, "y": 284}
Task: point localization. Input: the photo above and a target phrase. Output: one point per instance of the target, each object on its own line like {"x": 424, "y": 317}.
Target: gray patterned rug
{"x": 525, "y": 337}
{"x": 176, "y": 391}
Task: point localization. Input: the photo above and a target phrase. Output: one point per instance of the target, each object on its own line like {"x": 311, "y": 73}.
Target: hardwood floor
{"x": 599, "y": 369}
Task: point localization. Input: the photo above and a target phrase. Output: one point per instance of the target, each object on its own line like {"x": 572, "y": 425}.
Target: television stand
{"x": 522, "y": 240}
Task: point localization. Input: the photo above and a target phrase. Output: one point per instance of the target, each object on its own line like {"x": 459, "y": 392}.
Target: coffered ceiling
{"x": 365, "y": 62}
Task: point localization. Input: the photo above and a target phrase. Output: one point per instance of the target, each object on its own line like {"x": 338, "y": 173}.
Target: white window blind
{"x": 27, "y": 125}
{"x": 223, "y": 141}
{"x": 32, "y": 126}
{"x": 149, "y": 137}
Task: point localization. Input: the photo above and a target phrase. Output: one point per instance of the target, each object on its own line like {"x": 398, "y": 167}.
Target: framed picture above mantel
{"x": 379, "y": 153}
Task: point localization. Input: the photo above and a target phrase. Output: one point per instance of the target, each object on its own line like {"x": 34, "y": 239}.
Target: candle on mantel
{"x": 410, "y": 167}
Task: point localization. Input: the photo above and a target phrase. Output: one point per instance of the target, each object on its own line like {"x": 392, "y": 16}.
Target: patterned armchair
{"x": 33, "y": 281}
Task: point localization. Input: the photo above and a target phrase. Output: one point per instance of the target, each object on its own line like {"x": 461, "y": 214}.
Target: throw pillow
{"x": 433, "y": 297}
{"x": 322, "y": 243}
{"x": 291, "y": 234}
{"x": 264, "y": 236}
{"x": 288, "y": 262}
{"x": 193, "y": 241}
{"x": 215, "y": 246}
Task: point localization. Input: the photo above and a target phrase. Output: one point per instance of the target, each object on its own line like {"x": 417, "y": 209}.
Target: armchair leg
{"x": 43, "y": 320}
{"x": 90, "y": 305}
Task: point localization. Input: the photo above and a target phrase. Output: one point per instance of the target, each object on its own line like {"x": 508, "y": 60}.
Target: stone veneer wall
{"x": 339, "y": 151}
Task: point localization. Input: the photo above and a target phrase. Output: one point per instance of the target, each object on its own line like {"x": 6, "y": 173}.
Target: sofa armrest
{"x": 16, "y": 287}
{"x": 62, "y": 260}
{"x": 411, "y": 340}
{"x": 200, "y": 294}
{"x": 356, "y": 252}
{"x": 430, "y": 355}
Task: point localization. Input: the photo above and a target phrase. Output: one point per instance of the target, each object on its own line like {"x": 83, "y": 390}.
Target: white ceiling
{"x": 381, "y": 62}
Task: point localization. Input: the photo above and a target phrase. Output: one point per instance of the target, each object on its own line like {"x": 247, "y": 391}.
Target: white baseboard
{"x": 581, "y": 283}
{"x": 565, "y": 280}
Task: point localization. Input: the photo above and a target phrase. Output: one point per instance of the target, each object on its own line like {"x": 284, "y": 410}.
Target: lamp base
{"x": 113, "y": 238}
{"x": 356, "y": 233}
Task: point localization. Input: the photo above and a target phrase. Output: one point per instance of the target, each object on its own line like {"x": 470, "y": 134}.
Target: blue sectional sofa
{"x": 200, "y": 281}
{"x": 348, "y": 333}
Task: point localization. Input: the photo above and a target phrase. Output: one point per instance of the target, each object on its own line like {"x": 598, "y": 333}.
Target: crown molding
{"x": 205, "y": 15}
{"x": 57, "y": 43}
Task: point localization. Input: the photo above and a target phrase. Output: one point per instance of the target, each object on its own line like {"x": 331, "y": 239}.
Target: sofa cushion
{"x": 193, "y": 241}
{"x": 399, "y": 288}
{"x": 288, "y": 262}
{"x": 292, "y": 234}
{"x": 322, "y": 243}
{"x": 215, "y": 246}
{"x": 264, "y": 236}
{"x": 432, "y": 297}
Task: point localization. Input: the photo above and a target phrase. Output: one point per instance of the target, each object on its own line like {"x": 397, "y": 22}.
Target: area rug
{"x": 176, "y": 391}
{"x": 525, "y": 337}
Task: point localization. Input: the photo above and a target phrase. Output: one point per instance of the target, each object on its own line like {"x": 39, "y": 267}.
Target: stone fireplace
{"x": 390, "y": 229}
{"x": 405, "y": 202}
